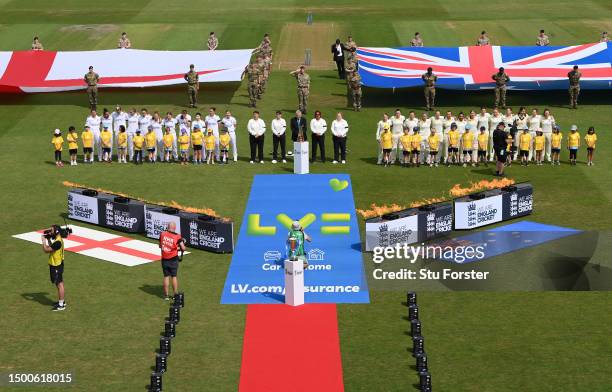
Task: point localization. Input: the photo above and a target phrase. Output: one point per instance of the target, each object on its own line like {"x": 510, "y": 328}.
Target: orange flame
{"x": 172, "y": 203}
{"x": 456, "y": 191}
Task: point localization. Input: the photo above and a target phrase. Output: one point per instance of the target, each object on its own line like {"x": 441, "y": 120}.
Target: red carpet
{"x": 291, "y": 349}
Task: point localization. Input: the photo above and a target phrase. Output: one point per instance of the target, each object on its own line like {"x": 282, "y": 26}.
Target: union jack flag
{"x": 471, "y": 67}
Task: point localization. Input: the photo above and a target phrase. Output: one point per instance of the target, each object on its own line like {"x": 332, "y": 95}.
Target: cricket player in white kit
{"x": 93, "y": 122}
{"x": 397, "y": 130}
{"x": 107, "y": 122}
{"x": 212, "y": 122}
{"x": 119, "y": 119}
{"x": 144, "y": 120}
{"x": 132, "y": 121}
{"x": 425, "y": 131}
{"x": 229, "y": 122}
{"x": 170, "y": 122}
{"x": 158, "y": 128}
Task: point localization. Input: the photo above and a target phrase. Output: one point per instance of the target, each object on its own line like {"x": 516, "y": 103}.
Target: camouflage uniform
{"x": 416, "y": 42}
{"x": 483, "y": 41}
{"x": 355, "y": 85}
{"x": 501, "y": 78}
{"x": 252, "y": 75}
{"x": 303, "y": 89}
{"x": 193, "y": 80}
{"x": 124, "y": 43}
{"x": 37, "y": 46}
{"x": 574, "y": 87}
{"x": 91, "y": 79}
{"x": 351, "y": 60}
{"x": 542, "y": 40}
{"x": 429, "y": 89}
{"x": 212, "y": 42}
{"x": 261, "y": 79}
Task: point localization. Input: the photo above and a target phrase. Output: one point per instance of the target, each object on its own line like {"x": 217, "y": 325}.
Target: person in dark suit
{"x": 337, "y": 50}
{"x": 499, "y": 146}
{"x": 298, "y": 123}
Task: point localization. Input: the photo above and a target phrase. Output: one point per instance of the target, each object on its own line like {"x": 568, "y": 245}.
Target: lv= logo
{"x": 254, "y": 226}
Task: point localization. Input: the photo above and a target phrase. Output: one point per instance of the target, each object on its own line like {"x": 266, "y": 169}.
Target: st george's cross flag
{"x": 471, "y": 67}
{"x": 104, "y": 246}
{"x": 48, "y": 71}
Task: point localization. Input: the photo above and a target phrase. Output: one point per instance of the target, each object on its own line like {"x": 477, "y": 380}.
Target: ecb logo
{"x": 255, "y": 227}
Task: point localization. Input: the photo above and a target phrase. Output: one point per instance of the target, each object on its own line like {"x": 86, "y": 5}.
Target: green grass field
{"x": 477, "y": 341}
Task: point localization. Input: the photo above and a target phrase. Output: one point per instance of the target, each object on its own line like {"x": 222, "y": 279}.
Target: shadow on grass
{"x": 154, "y": 290}
{"x": 41, "y": 298}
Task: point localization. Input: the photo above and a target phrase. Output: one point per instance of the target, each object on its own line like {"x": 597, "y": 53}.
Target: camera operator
{"x": 170, "y": 243}
{"x": 53, "y": 244}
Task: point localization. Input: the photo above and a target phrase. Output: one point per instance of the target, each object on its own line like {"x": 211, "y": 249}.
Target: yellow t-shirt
{"x": 196, "y": 138}
{"x": 106, "y": 138}
{"x": 224, "y": 140}
{"x": 87, "y": 138}
{"x": 386, "y": 139}
{"x": 590, "y": 140}
{"x": 57, "y": 256}
{"x": 467, "y": 140}
{"x": 434, "y": 142}
{"x": 138, "y": 141}
{"x": 58, "y": 142}
{"x": 406, "y": 142}
{"x": 72, "y": 138}
{"x": 509, "y": 142}
{"x": 210, "y": 142}
{"x": 555, "y": 140}
{"x": 151, "y": 139}
{"x": 538, "y": 143}
{"x": 524, "y": 141}
{"x": 122, "y": 140}
{"x": 573, "y": 140}
{"x": 453, "y": 139}
{"x": 415, "y": 142}
{"x": 183, "y": 142}
{"x": 483, "y": 141}
{"x": 168, "y": 140}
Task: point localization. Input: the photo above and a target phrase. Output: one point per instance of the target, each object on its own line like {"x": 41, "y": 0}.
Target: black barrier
{"x": 121, "y": 213}
{"x": 207, "y": 232}
{"x": 409, "y": 226}
{"x": 493, "y": 206}
{"x": 133, "y": 216}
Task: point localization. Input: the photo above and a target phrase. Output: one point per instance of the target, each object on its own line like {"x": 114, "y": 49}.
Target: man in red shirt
{"x": 170, "y": 243}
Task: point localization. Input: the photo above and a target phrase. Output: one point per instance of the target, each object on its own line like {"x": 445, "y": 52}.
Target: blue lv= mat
{"x": 323, "y": 203}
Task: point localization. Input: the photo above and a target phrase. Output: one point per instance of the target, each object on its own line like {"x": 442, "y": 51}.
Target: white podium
{"x": 294, "y": 282}
{"x": 300, "y": 158}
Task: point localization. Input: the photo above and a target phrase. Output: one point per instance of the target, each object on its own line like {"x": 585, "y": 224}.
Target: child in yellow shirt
{"x": 138, "y": 141}
{"x": 555, "y": 145}
{"x": 151, "y": 143}
{"x": 573, "y": 142}
{"x": 415, "y": 144}
{"x": 122, "y": 145}
{"x": 196, "y": 140}
{"x": 406, "y": 143}
{"x": 433, "y": 141}
{"x": 87, "y": 138}
{"x": 183, "y": 142}
{"x": 524, "y": 145}
{"x": 453, "y": 145}
{"x": 168, "y": 141}
{"x": 58, "y": 144}
{"x": 224, "y": 142}
{"x": 590, "y": 139}
{"x": 386, "y": 142}
{"x": 467, "y": 144}
{"x": 106, "y": 140}
{"x": 538, "y": 146}
{"x": 483, "y": 146}
{"x": 210, "y": 142}
{"x": 72, "y": 139}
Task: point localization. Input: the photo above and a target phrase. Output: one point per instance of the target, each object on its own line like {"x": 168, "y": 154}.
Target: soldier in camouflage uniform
{"x": 212, "y": 42}
{"x": 351, "y": 58}
{"x": 350, "y": 43}
{"x": 267, "y": 67}
{"x": 430, "y": 79}
{"x": 303, "y": 87}
{"x": 124, "y": 42}
{"x": 574, "y": 86}
{"x": 501, "y": 78}
{"x": 36, "y": 44}
{"x": 193, "y": 85}
{"x": 261, "y": 82}
{"x": 417, "y": 41}
{"x": 542, "y": 39}
{"x": 483, "y": 40}
{"x": 251, "y": 72}
{"x": 91, "y": 79}
{"x": 355, "y": 84}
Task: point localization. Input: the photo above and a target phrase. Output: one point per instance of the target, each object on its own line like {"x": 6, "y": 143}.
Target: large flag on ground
{"x": 471, "y": 67}
{"x": 47, "y": 71}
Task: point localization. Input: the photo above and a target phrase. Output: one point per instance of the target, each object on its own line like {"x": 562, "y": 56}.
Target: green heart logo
{"x": 338, "y": 185}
